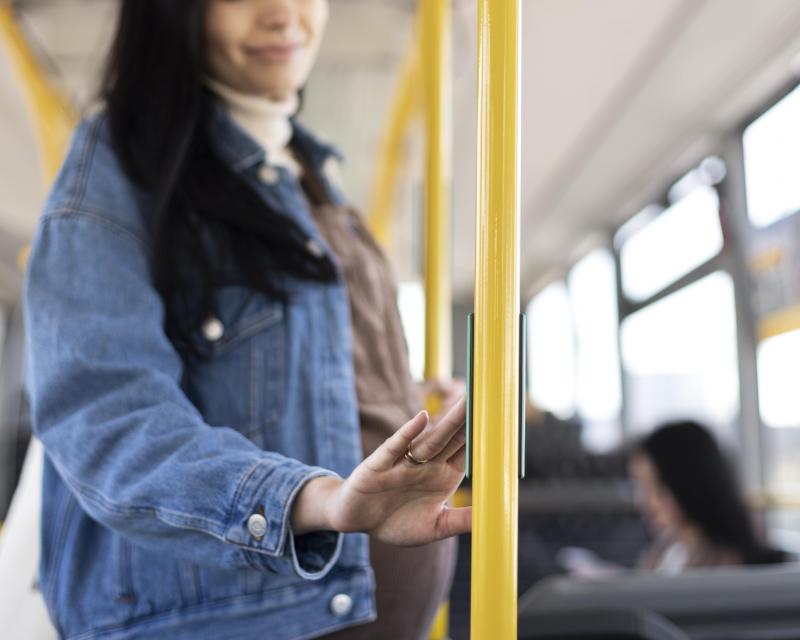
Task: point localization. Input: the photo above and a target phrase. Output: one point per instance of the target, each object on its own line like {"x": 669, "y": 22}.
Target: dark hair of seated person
{"x": 691, "y": 465}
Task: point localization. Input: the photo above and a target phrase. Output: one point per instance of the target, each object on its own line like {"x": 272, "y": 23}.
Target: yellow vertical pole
{"x": 435, "y": 60}
{"x": 435, "y": 45}
{"x": 496, "y": 356}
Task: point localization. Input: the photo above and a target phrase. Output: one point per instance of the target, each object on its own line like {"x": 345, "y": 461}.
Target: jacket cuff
{"x": 260, "y": 521}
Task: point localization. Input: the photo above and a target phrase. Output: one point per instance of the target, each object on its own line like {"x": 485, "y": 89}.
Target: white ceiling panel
{"x": 618, "y": 97}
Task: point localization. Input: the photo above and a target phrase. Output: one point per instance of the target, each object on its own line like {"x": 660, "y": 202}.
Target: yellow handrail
{"x": 435, "y": 44}
{"x": 496, "y": 360}
{"x": 53, "y": 117}
{"x": 435, "y": 40}
{"x": 435, "y": 52}
{"x": 391, "y": 153}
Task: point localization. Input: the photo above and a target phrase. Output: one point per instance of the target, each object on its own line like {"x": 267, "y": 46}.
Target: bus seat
{"x": 712, "y": 604}
{"x": 622, "y": 624}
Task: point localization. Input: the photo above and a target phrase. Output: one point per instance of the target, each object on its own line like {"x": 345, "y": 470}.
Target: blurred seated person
{"x": 690, "y": 498}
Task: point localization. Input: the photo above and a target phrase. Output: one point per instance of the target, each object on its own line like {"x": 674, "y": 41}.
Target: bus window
{"x": 771, "y": 157}
{"x": 592, "y": 292}
{"x": 680, "y": 358}
{"x": 551, "y": 354}
{"x": 681, "y": 238}
{"x": 778, "y": 372}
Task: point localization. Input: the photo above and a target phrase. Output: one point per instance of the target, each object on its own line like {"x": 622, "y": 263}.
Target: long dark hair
{"x": 693, "y": 468}
{"x": 158, "y": 111}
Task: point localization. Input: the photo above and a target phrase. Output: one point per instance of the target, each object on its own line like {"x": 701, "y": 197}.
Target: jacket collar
{"x": 241, "y": 152}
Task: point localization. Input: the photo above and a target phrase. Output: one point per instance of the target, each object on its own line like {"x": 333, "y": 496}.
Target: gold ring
{"x": 410, "y": 456}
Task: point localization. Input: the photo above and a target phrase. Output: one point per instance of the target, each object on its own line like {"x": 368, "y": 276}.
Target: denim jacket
{"x": 169, "y": 483}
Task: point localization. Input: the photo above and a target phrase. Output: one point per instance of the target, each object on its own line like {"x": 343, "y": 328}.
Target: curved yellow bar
{"x": 53, "y": 118}
{"x": 391, "y": 154}
{"x": 497, "y": 294}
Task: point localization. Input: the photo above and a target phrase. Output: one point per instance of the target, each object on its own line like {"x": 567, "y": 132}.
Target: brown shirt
{"x": 411, "y": 582}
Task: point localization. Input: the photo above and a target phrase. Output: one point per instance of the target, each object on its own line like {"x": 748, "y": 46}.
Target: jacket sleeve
{"x": 108, "y": 407}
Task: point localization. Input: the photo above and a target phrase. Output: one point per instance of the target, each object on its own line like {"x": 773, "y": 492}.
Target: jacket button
{"x": 268, "y": 174}
{"x": 314, "y": 248}
{"x": 341, "y": 605}
{"x": 213, "y": 329}
{"x": 257, "y": 526}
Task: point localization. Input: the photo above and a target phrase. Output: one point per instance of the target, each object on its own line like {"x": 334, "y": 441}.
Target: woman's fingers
{"x": 459, "y": 460}
{"x": 431, "y": 443}
{"x": 456, "y": 442}
{"x": 395, "y": 447}
{"x": 453, "y": 522}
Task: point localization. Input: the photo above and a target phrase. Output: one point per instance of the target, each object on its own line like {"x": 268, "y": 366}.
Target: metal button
{"x": 341, "y": 604}
{"x": 268, "y": 174}
{"x": 213, "y": 329}
{"x": 314, "y": 248}
{"x": 257, "y": 525}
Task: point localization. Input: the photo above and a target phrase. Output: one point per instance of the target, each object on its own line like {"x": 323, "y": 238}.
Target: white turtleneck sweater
{"x": 264, "y": 120}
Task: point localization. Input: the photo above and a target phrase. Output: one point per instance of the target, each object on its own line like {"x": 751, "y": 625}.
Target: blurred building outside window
{"x": 592, "y": 294}
{"x": 672, "y": 244}
{"x": 771, "y": 158}
{"x": 778, "y": 362}
{"x": 680, "y": 359}
{"x": 573, "y": 364}
{"x": 551, "y": 352}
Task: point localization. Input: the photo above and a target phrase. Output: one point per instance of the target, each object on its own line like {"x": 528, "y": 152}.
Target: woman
{"x": 690, "y": 498}
{"x": 211, "y": 334}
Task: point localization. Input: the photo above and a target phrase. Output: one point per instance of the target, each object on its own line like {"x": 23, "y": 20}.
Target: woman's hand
{"x": 392, "y": 498}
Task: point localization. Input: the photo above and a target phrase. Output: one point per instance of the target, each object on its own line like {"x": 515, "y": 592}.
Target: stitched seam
{"x": 295, "y": 473}
{"x": 57, "y": 561}
{"x": 83, "y": 164}
{"x": 217, "y": 604}
{"x": 258, "y": 490}
{"x": 350, "y": 622}
{"x": 238, "y": 495}
{"x": 250, "y": 557}
{"x": 299, "y": 478}
{"x": 247, "y": 161}
{"x": 182, "y": 520}
{"x": 63, "y": 213}
{"x": 262, "y": 321}
{"x": 277, "y": 382}
{"x": 254, "y": 375}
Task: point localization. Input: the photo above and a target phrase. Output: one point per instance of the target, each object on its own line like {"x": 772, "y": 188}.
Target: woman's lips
{"x": 273, "y": 52}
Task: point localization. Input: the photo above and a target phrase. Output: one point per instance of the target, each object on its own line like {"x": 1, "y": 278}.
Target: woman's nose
{"x": 277, "y": 15}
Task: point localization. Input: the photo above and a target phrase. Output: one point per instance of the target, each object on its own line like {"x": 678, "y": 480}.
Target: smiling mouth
{"x": 273, "y": 52}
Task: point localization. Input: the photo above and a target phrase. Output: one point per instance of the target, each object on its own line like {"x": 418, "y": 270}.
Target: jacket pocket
{"x": 247, "y": 326}
{"x": 241, "y": 384}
